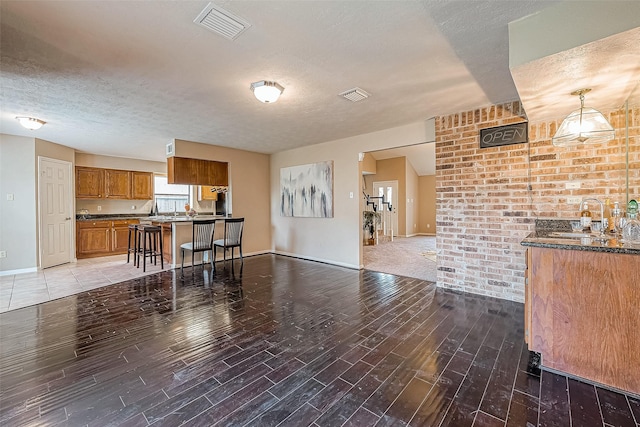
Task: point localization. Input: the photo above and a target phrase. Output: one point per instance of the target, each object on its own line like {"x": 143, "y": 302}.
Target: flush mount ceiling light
{"x": 30, "y": 123}
{"x": 585, "y": 125}
{"x": 266, "y": 91}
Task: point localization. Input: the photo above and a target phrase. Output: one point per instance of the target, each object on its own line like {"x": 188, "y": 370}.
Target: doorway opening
{"x": 404, "y": 179}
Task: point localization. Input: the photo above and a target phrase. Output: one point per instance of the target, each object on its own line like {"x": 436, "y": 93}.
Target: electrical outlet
{"x": 574, "y": 200}
{"x": 133, "y": 207}
{"x": 99, "y": 208}
{"x": 351, "y": 194}
{"x": 572, "y": 185}
{"x": 3, "y": 254}
{"x": 10, "y": 197}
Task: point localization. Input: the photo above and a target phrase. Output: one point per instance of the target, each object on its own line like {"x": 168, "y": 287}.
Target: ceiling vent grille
{"x": 221, "y": 22}
{"x": 356, "y": 94}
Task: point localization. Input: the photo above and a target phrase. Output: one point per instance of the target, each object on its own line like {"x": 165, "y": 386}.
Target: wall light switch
{"x": 3, "y": 254}
{"x": 351, "y": 194}
{"x": 572, "y": 185}
{"x": 573, "y": 200}
{"x": 9, "y": 196}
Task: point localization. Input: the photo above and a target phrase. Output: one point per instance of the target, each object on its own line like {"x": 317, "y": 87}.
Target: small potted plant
{"x": 370, "y": 220}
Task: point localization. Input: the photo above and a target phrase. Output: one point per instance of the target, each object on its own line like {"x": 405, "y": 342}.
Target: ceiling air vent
{"x": 356, "y": 94}
{"x": 221, "y": 22}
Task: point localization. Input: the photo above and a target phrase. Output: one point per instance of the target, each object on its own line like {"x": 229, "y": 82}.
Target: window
{"x": 170, "y": 198}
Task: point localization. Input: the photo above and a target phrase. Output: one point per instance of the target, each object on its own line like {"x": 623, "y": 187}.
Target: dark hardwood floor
{"x": 288, "y": 342}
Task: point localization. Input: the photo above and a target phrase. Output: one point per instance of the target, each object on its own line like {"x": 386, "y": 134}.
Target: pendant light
{"x": 586, "y": 125}
{"x": 266, "y": 91}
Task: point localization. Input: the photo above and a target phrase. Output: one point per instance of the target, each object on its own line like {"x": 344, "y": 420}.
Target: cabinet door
{"x": 142, "y": 185}
{"x": 89, "y": 183}
{"x": 204, "y": 193}
{"x": 117, "y": 184}
{"x": 120, "y": 236}
{"x": 94, "y": 239}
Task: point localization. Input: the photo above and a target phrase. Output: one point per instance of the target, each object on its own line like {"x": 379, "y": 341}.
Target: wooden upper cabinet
{"x": 181, "y": 170}
{"x": 97, "y": 183}
{"x": 142, "y": 185}
{"x": 89, "y": 183}
{"x": 117, "y": 184}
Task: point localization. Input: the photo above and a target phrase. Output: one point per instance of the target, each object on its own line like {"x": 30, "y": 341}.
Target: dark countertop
{"x": 545, "y": 239}
{"x": 159, "y": 218}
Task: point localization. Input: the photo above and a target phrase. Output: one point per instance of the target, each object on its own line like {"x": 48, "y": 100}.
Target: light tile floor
{"x": 22, "y": 290}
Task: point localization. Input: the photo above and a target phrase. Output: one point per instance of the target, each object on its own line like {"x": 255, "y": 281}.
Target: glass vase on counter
{"x": 631, "y": 229}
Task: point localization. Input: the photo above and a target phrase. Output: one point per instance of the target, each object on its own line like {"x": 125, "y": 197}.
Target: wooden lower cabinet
{"x": 94, "y": 239}
{"x": 584, "y": 314}
{"x": 102, "y": 238}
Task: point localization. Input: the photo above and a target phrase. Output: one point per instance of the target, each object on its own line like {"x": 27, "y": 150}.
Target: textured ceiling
{"x": 124, "y": 78}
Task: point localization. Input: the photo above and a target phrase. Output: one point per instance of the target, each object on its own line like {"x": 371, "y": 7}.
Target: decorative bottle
{"x": 616, "y": 219}
{"x": 585, "y": 217}
{"x": 631, "y": 230}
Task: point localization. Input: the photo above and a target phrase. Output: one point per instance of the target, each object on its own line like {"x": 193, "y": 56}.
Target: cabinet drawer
{"x": 93, "y": 224}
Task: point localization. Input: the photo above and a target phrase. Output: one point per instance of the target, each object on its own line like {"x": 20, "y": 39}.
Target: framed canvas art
{"x": 307, "y": 190}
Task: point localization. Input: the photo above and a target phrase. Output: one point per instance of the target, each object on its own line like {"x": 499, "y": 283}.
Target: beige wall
{"x": 339, "y": 239}
{"x": 427, "y": 204}
{"x": 485, "y": 207}
{"x": 142, "y": 207}
{"x": 249, "y": 189}
{"x": 19, "y": 218}
{"x": 413, "y": 199}
{"x": 368, "y": 164}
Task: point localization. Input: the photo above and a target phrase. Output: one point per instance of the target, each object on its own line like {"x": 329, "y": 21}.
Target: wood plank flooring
{"x": 283, "y": 342}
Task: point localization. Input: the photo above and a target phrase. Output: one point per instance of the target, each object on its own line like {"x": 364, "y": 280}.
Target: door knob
{"x": 67, "y": 219}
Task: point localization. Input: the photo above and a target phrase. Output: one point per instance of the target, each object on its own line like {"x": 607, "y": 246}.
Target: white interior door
{"x": 55, "y": 207}
{"x": 388, "y": 189}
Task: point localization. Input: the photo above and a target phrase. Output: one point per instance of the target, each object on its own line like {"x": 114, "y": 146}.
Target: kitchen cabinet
{"x": 584, "y": 314}
{"x": 89, "y": 183}
{"x": 93, "y": 239}
{"x": 117, "y": 184}
{"x": 98, "y": 183}
{"x": 166, "y": 243}
{"x": 141, "y": 185}
{"x": 182, "y": 170}
{"x": 205, "y": 193}
{"x": 102, "y": 238}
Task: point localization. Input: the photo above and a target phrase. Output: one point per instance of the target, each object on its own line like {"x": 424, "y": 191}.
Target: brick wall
{"x": 488, "y": 199}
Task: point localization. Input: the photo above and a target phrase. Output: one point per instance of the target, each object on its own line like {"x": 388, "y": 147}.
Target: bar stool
{"x": 149, "y": 234}
{"x": 133, "y": 229}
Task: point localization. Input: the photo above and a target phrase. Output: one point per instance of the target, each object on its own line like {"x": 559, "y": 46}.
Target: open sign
{"x": 504, "y": 135}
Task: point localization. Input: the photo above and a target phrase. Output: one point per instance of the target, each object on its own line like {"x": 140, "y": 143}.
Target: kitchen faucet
{"x": 602, "y": 220}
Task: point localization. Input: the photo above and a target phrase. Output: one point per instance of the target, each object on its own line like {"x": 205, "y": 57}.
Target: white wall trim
{"x": 325, "y": 261}
{"x": 19, "y": 271}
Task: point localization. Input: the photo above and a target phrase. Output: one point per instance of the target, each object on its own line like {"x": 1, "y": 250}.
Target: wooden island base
{"x": 583, "y": 312}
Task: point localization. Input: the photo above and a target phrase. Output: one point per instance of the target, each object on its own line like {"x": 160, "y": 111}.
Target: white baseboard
{"x": 325, "y": 261}
{"x": 19, "y": 271}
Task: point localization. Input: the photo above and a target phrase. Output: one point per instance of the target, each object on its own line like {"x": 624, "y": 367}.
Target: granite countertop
{"x": 181, "y": 218}
{"x": 546, "y": 236}
{"x": 158, "y": 218}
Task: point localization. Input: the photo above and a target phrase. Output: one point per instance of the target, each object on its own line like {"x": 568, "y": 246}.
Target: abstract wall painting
{"x": 307, "y": 190}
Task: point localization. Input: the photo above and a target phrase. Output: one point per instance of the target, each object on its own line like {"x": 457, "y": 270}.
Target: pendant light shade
{"x": 266, "y": 91}
{"x": 30, "y": 123}
{"x": 586, "y": 125}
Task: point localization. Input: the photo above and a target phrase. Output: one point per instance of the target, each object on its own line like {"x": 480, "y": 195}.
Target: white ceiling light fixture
{"x": 585, "y": 125}
{"x": 30, "y": 123}
{"x": 266, "y": 91}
